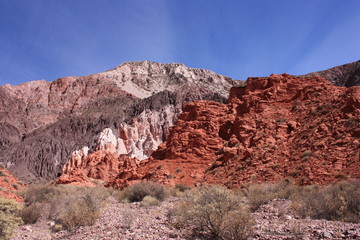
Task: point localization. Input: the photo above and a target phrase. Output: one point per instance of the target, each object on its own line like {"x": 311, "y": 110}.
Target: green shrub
{"x": 136, "y": 192}
{"x": 340, "y": 201}
{"x": 215, "y": 212}
{"x": 8, "y": 218}
{"x": 31, "y": 214}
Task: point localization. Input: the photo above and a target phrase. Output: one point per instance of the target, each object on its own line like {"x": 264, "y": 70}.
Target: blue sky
{"x": 48, "y": 39}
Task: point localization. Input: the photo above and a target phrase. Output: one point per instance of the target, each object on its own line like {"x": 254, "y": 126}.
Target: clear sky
{"x": 48, "y": 39}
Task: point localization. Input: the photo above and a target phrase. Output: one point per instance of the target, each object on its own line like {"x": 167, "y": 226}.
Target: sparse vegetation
{"x": 259, "y": 194}
{"x": 137, "y": 192}
{"x": 339, "y": 201}
{"x": 8, "y": 218}
{"x": 149, "y": 201}
{"x": 181, "y": 187}
{"x": 214, "y": 212}
{"x": 42, "y": 193}
{"x": 79, "y": 211}
{"x": 30, "y": 214}
{"x": 2, "y": 174}
{"x": 69, "y": 206}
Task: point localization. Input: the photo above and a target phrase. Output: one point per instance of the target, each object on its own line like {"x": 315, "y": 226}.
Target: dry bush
{"x": 340, "y": 201}
{"x": 8, "y": 217}
{"x": 40, "y": 194}
{"x": 128, "y": 217}
{"x": 136, "y": 192}
{"x": 2, "y": 174}
{"x": 215, "y": 212}
{"x": 259, "y": 194}
{"x": 149, "y": 201}
{"x": 181, "y": 187}
{"x": 30, "y": 214}
{"x": 70, "y": 206}
{"x": 79, "y": 211}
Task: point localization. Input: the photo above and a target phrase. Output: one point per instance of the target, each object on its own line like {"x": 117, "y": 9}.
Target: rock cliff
{"x": 43, "y": 123}
{"x": 347, "y": 75}
{"x": 276, "y": 127}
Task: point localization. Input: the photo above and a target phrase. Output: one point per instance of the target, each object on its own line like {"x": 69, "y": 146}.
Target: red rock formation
{"x": 43, "y": 123}
{"x": 275, "y": 127}
{"x": 9, "y": 185}
{"x": 101, "y": 165}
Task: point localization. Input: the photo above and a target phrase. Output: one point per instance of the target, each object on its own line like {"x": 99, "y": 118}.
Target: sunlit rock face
{"x": 127, "y": 110}
{"x": 347, "y": 75}
{"x": 145, "y": 133}
{"x": 275, "y": 128}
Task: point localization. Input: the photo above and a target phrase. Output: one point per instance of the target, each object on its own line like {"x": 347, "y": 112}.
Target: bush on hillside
{"x": 340, "y": 201}
{"x": 30, "y": 214}
{"x": 69, "y": 206}
{"x": 137, "y": 192}
{"x": 40, "y": 194}
{"x": 216, "y": 213}
{"x": 79, "y": 211}
{"x": 8, "y": 217}
{"x": 149, "y": 201}
{"x": 259, "y": 194}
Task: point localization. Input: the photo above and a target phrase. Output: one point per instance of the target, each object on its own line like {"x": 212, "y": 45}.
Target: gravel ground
{"x": 132, "y": 221}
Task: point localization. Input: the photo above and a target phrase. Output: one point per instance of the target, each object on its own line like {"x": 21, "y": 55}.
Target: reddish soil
{"x": 9, "y": 185}
{"x": 276, "y": 127}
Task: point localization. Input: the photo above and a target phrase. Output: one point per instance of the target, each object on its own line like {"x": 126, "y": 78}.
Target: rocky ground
{"x": 275, "y": 220}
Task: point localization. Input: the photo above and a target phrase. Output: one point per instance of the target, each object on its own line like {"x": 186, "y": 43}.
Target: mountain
{"x": 347, "y": 75}
{"x": 45, "y": 124}
{"x": 273, "y": 128}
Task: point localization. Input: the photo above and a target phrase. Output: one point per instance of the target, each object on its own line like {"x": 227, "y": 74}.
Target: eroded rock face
{"x": 43, "y": 123}
{"x": 347, "y": 75}
{"x": 275, "y": 127}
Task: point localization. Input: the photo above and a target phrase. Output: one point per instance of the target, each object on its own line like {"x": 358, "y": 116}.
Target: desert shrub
{"x": 57, "y": 228}
{"x": 69, "y": 206}
{"x": 181, "y": 187}
{"x": 149, "y": 201}
{"x": 8, "y": 217}
{"x": 259, "y": 194}
{"x": 340, "y": 201}
{"x": 41, "y": 193}
{"x": 215, "y": 212}
{"x": 30, "y": 214}
{"x": 80, "y": 211}
{"x": 136, "y": 192}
